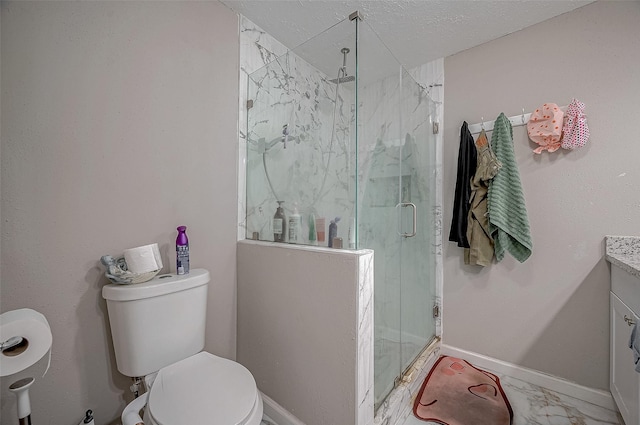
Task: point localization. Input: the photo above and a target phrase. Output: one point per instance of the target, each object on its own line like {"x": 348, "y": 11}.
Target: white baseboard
{"x": 590, "y": 395}
{"x": 279, "y": 414}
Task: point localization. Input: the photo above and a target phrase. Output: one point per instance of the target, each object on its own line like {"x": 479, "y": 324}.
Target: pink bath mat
{"x": 457, "y": 393}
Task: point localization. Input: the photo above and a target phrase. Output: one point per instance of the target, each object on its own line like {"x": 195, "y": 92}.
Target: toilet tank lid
{"x": 159, "y": 285}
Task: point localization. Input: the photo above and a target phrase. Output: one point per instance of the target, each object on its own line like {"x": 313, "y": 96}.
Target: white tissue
{"x": 143, "y": 259}
{"x": 34, "y": 328}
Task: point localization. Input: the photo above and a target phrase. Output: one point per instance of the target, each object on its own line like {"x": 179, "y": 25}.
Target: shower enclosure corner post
{"x": 355, "y": 16}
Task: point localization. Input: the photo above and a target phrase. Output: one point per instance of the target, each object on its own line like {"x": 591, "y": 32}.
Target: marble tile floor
{"x": 534, "y": 405}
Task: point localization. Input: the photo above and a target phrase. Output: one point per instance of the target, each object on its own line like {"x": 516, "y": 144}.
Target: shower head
{"x": 342, "y": 71}
{"x": 347, "y": 79}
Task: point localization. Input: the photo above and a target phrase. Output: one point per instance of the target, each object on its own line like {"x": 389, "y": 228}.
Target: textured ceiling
{"x": 415, "y": 31}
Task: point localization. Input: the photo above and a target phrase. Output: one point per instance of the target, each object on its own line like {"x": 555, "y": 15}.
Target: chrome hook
{"x": 482, "y": 123}
{"x": 629, "y": 320}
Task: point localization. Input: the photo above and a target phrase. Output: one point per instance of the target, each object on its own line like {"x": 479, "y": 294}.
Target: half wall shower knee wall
{"x": 338, "y": 128}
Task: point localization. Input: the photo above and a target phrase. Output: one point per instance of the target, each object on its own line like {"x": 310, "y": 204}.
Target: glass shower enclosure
{"x": 339, "y": 135}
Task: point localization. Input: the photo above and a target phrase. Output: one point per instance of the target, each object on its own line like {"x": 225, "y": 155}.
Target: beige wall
{"x": 550, "y": 313}
{"x": 119, "y": 123}
{"x": 305, "y": 329}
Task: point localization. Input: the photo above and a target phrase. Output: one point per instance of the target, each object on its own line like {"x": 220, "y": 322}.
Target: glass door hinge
{"x": 436, "y": 310}
{"x": 436, "y": 127}
{"x": 249, "y": 103}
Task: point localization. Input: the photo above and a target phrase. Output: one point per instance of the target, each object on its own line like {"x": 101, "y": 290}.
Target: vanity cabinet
{"x": 625, "y": 309}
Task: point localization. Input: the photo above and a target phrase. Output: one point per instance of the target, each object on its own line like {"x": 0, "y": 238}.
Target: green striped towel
{"x": 508, "y": 222}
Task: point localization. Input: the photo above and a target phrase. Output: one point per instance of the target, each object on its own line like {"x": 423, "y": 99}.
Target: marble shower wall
{"x": 310, "y": 167}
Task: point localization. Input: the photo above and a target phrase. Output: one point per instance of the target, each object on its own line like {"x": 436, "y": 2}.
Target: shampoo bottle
{"x": 294, "y": 226}
{"x": 182, "y": 251}
{"x": 279, "y": 224}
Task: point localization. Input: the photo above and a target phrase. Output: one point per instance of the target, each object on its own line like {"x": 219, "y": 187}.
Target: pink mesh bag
{"x": 575, "y": 132}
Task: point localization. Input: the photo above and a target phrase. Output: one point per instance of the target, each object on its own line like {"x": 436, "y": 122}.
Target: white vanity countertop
{"x": 624, "y": 252}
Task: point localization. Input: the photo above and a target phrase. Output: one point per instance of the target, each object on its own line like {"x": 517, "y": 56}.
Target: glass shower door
{"x": 417, "y": 223}
{"x": 396, "y": 162}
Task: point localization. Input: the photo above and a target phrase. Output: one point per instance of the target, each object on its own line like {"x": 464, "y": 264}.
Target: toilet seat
{"x": 203, "y": 388}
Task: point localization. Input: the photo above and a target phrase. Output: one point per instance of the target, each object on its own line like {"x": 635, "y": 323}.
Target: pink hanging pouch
{"x": 575, "y": 130}
{"x": 545, "y": 127}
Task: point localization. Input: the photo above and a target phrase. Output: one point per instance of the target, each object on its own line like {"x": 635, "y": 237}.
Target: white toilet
{"x": 157, "y": 329}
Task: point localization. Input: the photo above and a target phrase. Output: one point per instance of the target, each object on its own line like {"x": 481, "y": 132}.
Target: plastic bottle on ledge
{"x": 182, "y": 251}
{"x": 294, "y": 226}
{"x": 279, "y": 224}
{"x": 320, "y": 230}
{"x": 333, "y": 230}
{"x": 312, "y": 230}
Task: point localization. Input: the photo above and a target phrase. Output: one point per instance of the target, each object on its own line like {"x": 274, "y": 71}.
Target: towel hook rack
{"x": 482, "y": 122}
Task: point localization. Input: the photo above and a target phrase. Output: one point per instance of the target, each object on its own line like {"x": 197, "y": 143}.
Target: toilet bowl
{"x": 204, "y": 389}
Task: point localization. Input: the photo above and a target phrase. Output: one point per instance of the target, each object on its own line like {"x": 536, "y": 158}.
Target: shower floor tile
{"x": 387, "y": 361}
{"x": 534, "y": 405}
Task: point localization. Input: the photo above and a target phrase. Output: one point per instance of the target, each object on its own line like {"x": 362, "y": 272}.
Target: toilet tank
{"x": 157, "y": 323}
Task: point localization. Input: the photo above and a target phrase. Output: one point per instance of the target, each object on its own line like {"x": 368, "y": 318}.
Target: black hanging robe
{"x": 467, "y": 162}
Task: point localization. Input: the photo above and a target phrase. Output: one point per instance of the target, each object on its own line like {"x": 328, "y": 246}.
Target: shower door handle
{"x": 415, "y": 219}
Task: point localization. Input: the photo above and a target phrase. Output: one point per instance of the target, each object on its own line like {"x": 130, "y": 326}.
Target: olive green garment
{"x": 481, "y": 249}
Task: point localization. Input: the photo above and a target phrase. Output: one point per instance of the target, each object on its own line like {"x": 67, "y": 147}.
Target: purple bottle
{"x": 182, "y": 251}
